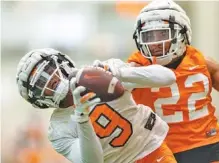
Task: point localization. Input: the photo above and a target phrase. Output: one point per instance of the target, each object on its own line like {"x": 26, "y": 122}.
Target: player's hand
{"x": 82, "y": 103}
{"x": 112, "y": 65}
{"x": 98, "y": 63}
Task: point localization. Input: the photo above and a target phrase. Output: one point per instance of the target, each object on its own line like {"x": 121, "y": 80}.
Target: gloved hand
{"x": 112, "y": 65}
{"x": 81, "y": 103}
{"x": 98, "y": 63}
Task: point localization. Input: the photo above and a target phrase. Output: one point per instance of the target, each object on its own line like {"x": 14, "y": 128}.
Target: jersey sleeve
{"x": 146, "y": 77}
{"x": 77, "y": 142}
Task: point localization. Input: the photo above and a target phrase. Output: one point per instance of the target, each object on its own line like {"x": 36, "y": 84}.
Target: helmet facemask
{"x": 163, "y": 14}
{"x": 163, "y": 35}
{"x": 48, "y": 82}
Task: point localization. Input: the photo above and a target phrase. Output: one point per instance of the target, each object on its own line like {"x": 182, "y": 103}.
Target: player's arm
{"x": 91, "y": 149}
{"x": 134, "y": 64}
{"x": 149, "y": 76}
{"x": 213, "y": 68}
{"x": 76, "y": 139}
{"x": 139, "y": 77}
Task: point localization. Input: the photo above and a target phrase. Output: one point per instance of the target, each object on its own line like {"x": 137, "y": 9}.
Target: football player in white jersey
{"x": 83, "y": 131}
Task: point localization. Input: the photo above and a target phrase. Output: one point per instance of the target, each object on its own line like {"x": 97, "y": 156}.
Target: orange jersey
{"x": 185, "y": 105}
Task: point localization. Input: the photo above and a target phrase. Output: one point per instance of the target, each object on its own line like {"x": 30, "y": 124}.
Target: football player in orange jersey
{"x": 163, "y": 36}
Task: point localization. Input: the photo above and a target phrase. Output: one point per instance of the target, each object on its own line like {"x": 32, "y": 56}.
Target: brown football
{"x": 102, "y": 82}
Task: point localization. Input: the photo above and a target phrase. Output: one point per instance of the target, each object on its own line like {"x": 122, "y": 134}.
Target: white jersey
{"x": 135, "y": 130}
{"x": 126, "y": 132}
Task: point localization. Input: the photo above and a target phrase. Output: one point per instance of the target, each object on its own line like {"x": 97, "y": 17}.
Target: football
{"x": 103, "y": 83}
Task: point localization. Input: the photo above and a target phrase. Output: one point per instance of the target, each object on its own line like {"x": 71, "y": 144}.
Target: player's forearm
{"x": 86, "y": 148}
{"x": 149, "y": 76}
{"x": 65, "y": 141}
{"x": 76, "y": 142}
{"x": 90, "y": 147}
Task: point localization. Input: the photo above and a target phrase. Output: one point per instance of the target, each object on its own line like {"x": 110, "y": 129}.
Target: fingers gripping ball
{"x": 102, "y": 82}
{"x": 82, "y": 104}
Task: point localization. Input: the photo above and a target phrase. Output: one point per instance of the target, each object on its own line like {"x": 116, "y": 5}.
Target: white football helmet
{"x": 172, "y": 24}
{"x": 42, "y": 77}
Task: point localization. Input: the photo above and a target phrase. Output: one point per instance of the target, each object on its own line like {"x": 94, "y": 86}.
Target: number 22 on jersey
{"x": 185, "y": 100}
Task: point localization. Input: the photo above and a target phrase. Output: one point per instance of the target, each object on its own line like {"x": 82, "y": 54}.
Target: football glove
{"x": 83, "y": 103}
{"x": 112, "y": 65}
